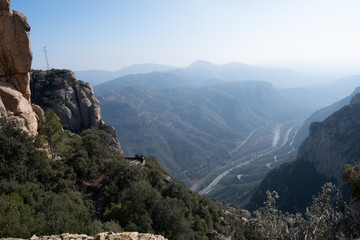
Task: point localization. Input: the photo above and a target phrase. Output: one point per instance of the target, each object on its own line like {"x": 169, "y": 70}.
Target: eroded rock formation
{"x": 15, "y": 64}
{"x": 72, "y": 100}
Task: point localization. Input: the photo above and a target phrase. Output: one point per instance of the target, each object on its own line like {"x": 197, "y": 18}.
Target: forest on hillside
{"x": 82, "y": 186}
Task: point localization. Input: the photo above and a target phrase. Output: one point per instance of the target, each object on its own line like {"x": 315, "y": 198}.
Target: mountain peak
{"x": 201, "y": 64}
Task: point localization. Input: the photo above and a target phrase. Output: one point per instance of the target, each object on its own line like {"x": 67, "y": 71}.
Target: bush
{"x": 17, "y": 219}
{"x": 322, "y": 220}
{"x": 19, "y": 158}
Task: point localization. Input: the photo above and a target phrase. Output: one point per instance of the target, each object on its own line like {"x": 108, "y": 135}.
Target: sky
{"x": 306, "y": 35}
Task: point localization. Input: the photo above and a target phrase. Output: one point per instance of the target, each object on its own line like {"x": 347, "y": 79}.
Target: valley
{"x": 236, "y": 177}
{"x": 204, "y": 133}
{"x": 212, "y": 129}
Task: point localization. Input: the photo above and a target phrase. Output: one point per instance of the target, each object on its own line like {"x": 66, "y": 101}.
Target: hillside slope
{"x": 321, "y": 157}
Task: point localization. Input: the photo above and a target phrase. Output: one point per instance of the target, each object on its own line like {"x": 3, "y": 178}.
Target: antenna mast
{"x": 46, "y": 58}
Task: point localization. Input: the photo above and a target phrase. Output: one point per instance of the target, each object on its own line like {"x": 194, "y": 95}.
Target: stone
{"x": 18, "y": 108}
{"x": 5, "y": 5}
{"x": 72, "y": 100}
{"x": 15, "y": 64}
{"x": 15, "y": 49}
{"x": 245, "y": 213}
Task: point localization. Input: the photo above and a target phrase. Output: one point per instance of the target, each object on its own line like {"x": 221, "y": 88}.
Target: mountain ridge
{"x": 95, "y": 77}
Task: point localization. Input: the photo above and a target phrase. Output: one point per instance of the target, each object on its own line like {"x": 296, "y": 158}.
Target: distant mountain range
{"x": 206, "y": 71}
{"x": 95, "y": 77}
{"x": 278, "y": 77}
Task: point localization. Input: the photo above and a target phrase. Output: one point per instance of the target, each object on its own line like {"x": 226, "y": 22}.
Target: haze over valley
{"x": 216, "y": 127}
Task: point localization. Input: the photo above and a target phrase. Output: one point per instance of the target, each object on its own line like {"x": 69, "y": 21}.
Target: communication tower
{"x": 46, "y": 58}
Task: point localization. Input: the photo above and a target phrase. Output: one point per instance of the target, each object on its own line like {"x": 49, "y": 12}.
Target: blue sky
{"x": 311, "y": 35}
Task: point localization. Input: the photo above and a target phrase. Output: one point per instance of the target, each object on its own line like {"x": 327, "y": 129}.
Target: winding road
{"x": 212, "y": 185}
{"x": 248, "y": 137}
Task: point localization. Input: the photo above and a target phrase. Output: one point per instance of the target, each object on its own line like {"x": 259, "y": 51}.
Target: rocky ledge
{"x": 100, "y": 236}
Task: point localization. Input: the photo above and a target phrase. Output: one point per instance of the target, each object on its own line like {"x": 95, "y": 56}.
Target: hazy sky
{"x": 111, "y": 34}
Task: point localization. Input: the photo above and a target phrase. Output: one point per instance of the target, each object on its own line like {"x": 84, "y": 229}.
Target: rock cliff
{"x": 15, "y": 64}
{"x": 320, "y": 115}
{"x": 334, "y": 142}
{"x": 330, "y": 145}
{"x": 72, "y": 100}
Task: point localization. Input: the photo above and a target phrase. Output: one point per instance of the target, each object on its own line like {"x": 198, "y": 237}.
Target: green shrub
{"x": 17, "y": 219}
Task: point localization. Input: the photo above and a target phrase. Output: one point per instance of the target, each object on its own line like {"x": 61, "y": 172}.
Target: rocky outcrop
{"x": 334, "y": 142}
{"x": 72, "y": 100}
{"x": 320, "y": 115}
{"x": 355, "y": 99}
{"x": 100, "y": 236}
{"x": 330, "y": 145}
{"x": 15, "y": 64}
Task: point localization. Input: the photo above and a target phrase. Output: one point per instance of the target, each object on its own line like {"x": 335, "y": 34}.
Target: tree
{"x": 351, "y": 176}
{"x": 17, "y": 219}
{"x": 322, "y": 220}
{"x": 52, "y": 132}
{"x": 19, "y": 158}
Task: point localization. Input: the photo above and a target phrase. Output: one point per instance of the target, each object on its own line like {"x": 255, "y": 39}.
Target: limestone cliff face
{"x": 15, "y": 64}
{"x": 72, "y": 100}
{"x": 334, "y": 142}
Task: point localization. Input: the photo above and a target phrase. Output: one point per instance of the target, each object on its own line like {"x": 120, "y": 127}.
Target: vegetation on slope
{"x": 85, "y": 187}
{"x": 88, "y": 188}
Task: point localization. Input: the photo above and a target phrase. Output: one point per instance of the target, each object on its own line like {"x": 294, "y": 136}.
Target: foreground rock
{"x": 100, "y": 236}
{"x": 15, "y": 64}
